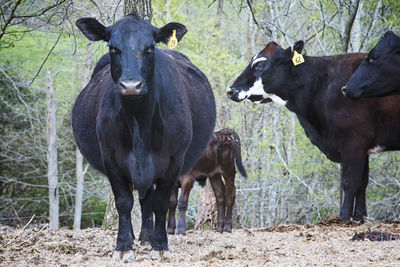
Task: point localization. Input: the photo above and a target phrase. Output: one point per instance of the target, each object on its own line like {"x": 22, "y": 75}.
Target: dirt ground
{"x": 327, "y": 243}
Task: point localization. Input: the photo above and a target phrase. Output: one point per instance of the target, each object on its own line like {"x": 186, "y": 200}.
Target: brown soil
{"x": 324, "y": 244}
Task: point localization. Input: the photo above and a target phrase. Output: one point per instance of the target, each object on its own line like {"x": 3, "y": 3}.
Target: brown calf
{"x": 219, "y": 159}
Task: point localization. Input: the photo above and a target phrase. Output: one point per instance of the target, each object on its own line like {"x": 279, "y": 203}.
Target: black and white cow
{"x": 379, "y": 73}
{"x": 143, "y": 120}
{"x": 346, "y": 131}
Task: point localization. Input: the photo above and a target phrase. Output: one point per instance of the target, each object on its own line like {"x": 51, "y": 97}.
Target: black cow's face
{"x": 131, "y": 42}
{"x": 378, "y": 75}
{"x": 264, "y": 78}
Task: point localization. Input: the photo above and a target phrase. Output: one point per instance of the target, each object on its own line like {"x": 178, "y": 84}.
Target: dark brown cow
{"x": 219, "y": 159}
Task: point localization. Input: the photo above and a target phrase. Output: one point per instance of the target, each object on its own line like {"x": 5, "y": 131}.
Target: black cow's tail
{"x": 238, "y": 158}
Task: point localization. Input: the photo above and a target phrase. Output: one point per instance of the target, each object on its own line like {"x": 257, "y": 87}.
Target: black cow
{"x": 346, "y": 131}
{"x": 379, "y": 74}
{"x": 142, "y": 121}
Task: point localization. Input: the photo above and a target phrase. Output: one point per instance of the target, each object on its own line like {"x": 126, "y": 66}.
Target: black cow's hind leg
{"x": 173, "y": 200}
{"x": 353, "y": 160}
{"x": 187, "y": 182}
{"x": 360, "y": 209}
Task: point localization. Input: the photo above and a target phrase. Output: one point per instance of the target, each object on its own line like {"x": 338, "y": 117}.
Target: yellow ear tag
{"x": 172, "y": 43}
{"x": 297, "y": 58}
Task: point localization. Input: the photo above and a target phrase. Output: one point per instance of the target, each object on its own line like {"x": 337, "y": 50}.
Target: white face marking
{"x": 258, "y": 60}
{"x": 376, "y": 149}
{"x": 258, "y": 90}
{"x": 276, "y": 99}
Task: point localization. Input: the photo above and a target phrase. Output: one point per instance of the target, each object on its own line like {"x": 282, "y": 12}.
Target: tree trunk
{"x": 347, "y": 24}
{"x": 142, "y": 7}
{"x": 166, "y": 13}
{"x": 110, "y": 221}
{"x": 207, "y": 214}
{"x": 79, "y": 190}
{"x": 52, "y": 172}
{"x": 219, "y": 12}
{"x": 79, "y": 172}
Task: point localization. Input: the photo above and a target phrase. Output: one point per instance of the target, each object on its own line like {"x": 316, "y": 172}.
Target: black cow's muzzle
{"x": 350, "y": 92}
{"x": 233, "y": 94}
{"x": 131, "y": 87}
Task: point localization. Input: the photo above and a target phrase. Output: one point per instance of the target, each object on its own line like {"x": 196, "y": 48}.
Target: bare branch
{"x": 47, "y": 56}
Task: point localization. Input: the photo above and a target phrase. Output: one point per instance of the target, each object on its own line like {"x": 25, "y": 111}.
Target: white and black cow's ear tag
{"x": 173, "y": 42}
{"x": 297, "y": 58}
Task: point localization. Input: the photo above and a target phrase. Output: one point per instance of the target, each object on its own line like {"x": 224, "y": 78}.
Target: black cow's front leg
{"x": 353, "y": 184}
{"x": 123, "y": 202}
{"x": 160, "y": 203}
{"x": 147, "y": 217}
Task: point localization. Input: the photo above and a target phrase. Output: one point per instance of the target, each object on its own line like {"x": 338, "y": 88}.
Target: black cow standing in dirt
{"x": 142, "y": 121}
{"x": 379, "y": 74}
{"x": 217, "y": 161}
{"x": 345, "y": 131}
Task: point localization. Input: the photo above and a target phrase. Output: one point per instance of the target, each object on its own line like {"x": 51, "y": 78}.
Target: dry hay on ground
{"x": 324, "y": 244}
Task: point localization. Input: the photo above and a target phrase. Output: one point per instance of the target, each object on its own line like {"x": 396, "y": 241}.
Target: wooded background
{"x": 290, "y": 180}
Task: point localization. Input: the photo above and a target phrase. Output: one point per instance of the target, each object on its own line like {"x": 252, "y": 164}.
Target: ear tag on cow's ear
{"x": 173, "y": 42}
{"x": 297, "y": 58}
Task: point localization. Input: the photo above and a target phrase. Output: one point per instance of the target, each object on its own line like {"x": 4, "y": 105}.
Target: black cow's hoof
{"x": 344, "y": 217}
{"x": 228, "y": 229}
{"x": 171, "y": 231}
{"x": 180, "y": 231}
{"x": 358, "y": 218}
{"x": 160, "y": 247}
{"x": 124, "y": 256}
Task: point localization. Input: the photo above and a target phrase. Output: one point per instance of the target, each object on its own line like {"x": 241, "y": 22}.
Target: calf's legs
{"x": 218, "y": 188}
{"x": 230, "y": 195}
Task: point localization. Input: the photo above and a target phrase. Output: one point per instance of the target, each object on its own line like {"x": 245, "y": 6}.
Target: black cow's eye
{"x": 372, "y": 59}
{"x": 150, "y": 49}
{"x": 259, "y": 66}
{"x": 114, "y": 50}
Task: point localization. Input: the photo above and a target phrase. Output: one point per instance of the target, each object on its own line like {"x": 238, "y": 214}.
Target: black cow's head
{"x": 131, "y": 42}
{"x": 263, "y": 79}
{"x": 379, "y": 74}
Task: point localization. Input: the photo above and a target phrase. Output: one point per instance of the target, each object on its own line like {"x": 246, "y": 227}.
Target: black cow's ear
{"x": 92, "y": 29}
{"x": 298, "y": 47}
{"x": 166, "y": 32}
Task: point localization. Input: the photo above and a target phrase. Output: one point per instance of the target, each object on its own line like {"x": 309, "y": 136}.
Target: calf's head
{"x": 264, "y": 78}
{"x": 378, "y": 74}
{"x": 131, "y": 41}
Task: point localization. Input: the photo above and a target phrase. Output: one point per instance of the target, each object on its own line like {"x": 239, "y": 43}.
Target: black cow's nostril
{"x": 229, "y": 93}
{"x": 345, "y": 89}
{"x": 131, "y": 87}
